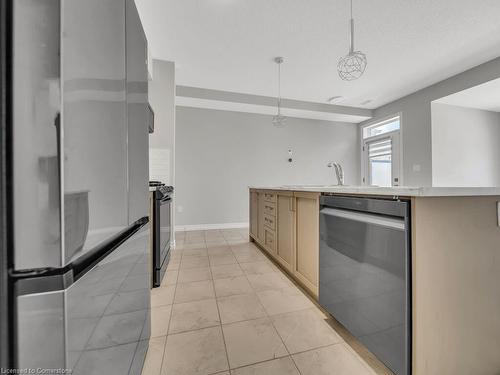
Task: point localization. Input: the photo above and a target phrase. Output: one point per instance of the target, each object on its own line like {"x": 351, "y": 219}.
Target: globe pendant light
{"x": 353, "y": 65}
{"x": 279, "y": 120}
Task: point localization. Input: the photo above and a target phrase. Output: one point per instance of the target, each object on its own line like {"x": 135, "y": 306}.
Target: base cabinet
{"x": 285, "y": 252}
{"x": 307, "y": 240}
{"x": 254, "y": 213}
{"x": 286, "y": 225}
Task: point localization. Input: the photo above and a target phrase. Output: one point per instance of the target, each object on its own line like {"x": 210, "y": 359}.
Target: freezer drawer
{"x": 100, "y": 324}
{"x": 365, "y": 274}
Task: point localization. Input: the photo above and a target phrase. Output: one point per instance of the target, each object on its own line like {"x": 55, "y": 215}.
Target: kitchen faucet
{"x": 338, "y": 171}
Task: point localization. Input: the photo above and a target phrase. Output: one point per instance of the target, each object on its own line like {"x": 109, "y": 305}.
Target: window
{"x": 382, "y": 127}
{"x": 381, "y": 153}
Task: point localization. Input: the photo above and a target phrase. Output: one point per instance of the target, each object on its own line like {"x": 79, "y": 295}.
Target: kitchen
{"x": 323, "y": 189}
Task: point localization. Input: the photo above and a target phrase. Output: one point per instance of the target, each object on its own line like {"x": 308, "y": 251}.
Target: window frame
{"x": 395, "y": 135}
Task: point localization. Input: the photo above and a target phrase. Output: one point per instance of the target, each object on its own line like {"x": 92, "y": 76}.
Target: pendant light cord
{"x": 351, "y": 33}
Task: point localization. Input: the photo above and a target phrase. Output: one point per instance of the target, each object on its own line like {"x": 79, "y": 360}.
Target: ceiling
{"x": 485, "y": 96}
{"x": 230, "y": 44}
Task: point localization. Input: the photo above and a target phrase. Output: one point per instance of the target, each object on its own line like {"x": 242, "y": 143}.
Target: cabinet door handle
{"x": 292, "y": 204}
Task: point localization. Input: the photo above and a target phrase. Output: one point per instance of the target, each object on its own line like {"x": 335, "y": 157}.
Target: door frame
{"x": 397, "y": 155}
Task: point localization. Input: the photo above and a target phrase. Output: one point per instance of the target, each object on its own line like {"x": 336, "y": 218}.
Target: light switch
{"x": 416, "y": 168}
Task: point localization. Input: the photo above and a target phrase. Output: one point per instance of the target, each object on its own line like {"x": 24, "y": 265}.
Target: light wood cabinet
{"x": 306, "y": 265}
{"x": 286, "y": 230}
{"x": 260, "y": 219}
{"x": 254, "y": 213}
{"x": 286, "y": 225}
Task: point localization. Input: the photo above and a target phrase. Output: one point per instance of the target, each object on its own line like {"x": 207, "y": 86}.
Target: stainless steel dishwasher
{"x": 365, "y": 273}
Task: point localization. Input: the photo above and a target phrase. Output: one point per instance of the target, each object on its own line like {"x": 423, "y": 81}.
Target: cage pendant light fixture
{"x": 353, "y": 65}
{"x": 279, "y": 120}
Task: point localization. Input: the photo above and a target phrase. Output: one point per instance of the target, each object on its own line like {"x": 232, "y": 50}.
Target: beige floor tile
{"x": 226, "y": 270}
{"x": 188, "y": 275}
{"x": 236, "y": 240}
{"x": 194, "y": 315}
{"x": 194, "y": 262}
{"x": 219, "y": 250}
{"x": 195, "y": 235}
{"x": 195, "y": 291}
{"x": 304, "y": 330}
{"x": 154, "y": 357}
{"x": 244, "y": 246}
{"x": 160, "y": 317}
{"x": 213, "y": 235}
{"x": 173, "y": 265}
{"x": 240, "y": 307}
{"x": 273, "y": 280}
{"x": 170, "y": 278}
{"x": 278, "y": 301}
{"x": 280, "y": 366}
{"x": 163, "y": 295}
{"x": 216, "y": 242}
{"x": 194, "y": 245}
{"x": 335, "y": 359}
{"x": 249, "y": 256}
{"x": 175, "y": 255}
{"x": 198, "y": 352}
{"x": 358, "y": 357}
{"x": 201, "y": 252}
{"x": 252, "y": 341}
{"x": 217, "y": 260}
{"x": 257, "y": 268}
{"x": 200, "y": 241}
{"x": 232, "y": 286}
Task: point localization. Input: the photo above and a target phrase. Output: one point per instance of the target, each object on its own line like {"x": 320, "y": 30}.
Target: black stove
{"x": 161, "y": 188}
{"x": 156, "y": 183}
{"x": 162, "y": 228}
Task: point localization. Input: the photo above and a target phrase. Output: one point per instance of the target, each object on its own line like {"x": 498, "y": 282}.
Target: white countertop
{"x": 402, "y": 191}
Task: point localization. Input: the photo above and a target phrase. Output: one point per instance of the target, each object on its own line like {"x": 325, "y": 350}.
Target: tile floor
{"x": 225, "y": 308}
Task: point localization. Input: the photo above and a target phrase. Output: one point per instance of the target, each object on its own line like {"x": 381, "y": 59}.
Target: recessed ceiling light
{"x": 335, "y": 99}
{"x": 368, "y": 101}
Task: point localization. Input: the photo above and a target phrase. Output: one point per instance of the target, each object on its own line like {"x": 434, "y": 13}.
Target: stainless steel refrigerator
{"x": 74, "y": 187}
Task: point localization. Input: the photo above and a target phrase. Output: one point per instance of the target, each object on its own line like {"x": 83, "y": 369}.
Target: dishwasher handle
{"x": 382, "y": 221}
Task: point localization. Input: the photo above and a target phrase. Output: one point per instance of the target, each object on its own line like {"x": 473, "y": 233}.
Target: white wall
{"x": 162, "y": 141}
{"x": 465, "y": 146}
{"x": 220, "y": 153}
{"x": 416, "y": 119}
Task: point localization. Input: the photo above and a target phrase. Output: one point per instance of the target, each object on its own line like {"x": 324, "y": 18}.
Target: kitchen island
{"x": 454, "y": 263}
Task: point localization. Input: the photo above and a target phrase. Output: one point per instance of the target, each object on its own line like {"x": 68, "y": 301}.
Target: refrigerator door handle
{"x": 52, "y": 279}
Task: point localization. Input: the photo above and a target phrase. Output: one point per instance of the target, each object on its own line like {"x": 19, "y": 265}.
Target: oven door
{"x": 165, "y": 227}
{"x": 163, "y": 231}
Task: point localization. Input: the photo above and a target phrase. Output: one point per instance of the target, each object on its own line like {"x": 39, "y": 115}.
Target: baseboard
{"x": 187, "y": 228}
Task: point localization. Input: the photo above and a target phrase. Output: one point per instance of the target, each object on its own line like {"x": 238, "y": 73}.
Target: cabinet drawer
{"x": 269, "y": 197}
{"x": 270, "y": 221}
{"x": 269, "y": 240}
{"x": 269, "y": 208}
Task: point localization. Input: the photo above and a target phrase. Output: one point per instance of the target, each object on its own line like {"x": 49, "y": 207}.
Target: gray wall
{"x": 416, "y": 119}
{"x": 465, "y": 146}
{"x": 220, "y": 153}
